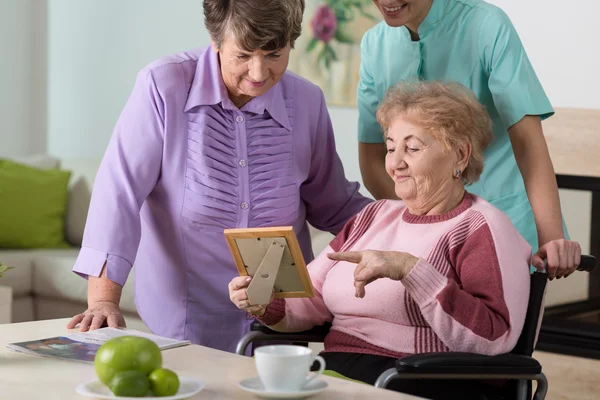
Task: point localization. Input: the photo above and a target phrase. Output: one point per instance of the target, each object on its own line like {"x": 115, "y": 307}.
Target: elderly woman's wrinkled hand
{"x": 563, "y": 258}
{"x": 239, "y": 296}
{"x": 374, "y": 265}
{"x": 98, "y": 314}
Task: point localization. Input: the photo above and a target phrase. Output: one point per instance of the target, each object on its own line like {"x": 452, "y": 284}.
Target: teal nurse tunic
{"x": 475, "y": 44}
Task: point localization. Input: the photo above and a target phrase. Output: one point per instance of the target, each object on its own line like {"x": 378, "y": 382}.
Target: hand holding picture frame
{"x": 272, "y": 257}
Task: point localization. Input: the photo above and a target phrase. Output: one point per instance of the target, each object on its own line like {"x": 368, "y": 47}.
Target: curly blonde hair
{"x": 448, "y": 111}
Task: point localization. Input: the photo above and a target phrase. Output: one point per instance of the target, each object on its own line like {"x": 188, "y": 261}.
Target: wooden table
{"x": 573, "y": 137}
{"x": 24, "y": 376}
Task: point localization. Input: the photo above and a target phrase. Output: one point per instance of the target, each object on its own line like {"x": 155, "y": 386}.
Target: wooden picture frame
{"x": 255, "y": 248}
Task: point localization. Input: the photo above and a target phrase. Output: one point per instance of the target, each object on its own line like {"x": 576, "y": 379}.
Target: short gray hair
{"x": 256, "y": 24}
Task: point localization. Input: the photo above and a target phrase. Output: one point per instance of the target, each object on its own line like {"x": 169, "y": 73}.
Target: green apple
{"x": 126, "y": 353}
{"x": 130, "y": 384}
{"x": 164, "y": 382}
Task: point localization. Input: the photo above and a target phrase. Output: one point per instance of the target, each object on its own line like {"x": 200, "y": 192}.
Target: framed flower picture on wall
{"x": 328, "y": 51}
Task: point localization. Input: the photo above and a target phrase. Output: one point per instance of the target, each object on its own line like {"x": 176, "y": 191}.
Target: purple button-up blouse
{"x": 184, "y": 164}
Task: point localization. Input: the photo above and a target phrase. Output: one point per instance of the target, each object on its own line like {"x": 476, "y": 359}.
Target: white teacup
{"x": 286, "y": 367}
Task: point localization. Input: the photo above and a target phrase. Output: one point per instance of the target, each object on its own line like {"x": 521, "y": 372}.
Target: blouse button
{"x": 242, "y": 163}
{"x": 239, "y": 119}
{"x": 244, "y": 205}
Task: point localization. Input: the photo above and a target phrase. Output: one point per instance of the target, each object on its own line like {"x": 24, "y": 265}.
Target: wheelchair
{"x": 518, "y": 365}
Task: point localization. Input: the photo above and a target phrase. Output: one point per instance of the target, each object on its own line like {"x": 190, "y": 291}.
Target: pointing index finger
{"x": 350, "y": 256}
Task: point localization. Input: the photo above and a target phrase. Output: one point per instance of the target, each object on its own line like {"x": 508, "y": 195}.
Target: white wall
{"x": 95, "y": 49}
{"x": 15, "y": 43}
{"x": 38, "y": 118}
{"x": 22, "y": 77}
{"x": 561, "y": 39}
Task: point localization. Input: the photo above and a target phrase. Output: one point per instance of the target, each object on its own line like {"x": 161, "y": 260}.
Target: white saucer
{"x": 187, "y": 388}
{"x": 254, "y": 385}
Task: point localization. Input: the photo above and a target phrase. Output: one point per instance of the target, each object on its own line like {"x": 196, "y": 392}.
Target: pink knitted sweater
{"x": 468, "y": 291}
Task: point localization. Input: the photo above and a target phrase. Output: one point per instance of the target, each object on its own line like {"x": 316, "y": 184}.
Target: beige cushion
{"x": 78, "y": 204}
{"x": 5, "y": 304}
{"x": 49, "y": 308}
{"x": 53, "y": 276}
{"x": 22, "y": 309}
{"x": 82, "y": 168}
{"x": 80, "y": 192}
{"x": 20, "y": 277}
{"x": 42, "y": 161}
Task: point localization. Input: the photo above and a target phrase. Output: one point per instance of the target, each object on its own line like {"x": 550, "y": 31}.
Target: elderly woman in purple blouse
{"x": 215, "y": 138}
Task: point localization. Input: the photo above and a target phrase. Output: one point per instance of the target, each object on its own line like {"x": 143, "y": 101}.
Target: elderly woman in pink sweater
{"x": 440, "y": 270}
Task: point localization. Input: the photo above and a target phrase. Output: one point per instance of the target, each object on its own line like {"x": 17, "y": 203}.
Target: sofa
{"x": 42, "y": 282}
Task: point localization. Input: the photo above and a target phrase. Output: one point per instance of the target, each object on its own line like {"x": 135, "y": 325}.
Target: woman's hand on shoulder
{"x": 563, "y": 257}
{"x": 373, "y": 264}
{"x": 98, "y": 314}
{"x": 239, "y": 296}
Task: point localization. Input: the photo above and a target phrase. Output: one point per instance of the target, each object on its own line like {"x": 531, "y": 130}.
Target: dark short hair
{"x": 255, "y": 24}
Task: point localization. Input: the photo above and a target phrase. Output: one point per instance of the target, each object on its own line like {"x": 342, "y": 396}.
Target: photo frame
{"x": 272, "y": 257}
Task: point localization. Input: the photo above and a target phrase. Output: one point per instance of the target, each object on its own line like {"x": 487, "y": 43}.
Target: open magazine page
{"x": 58, "y": 347}
{"x": 100, "y": 336}
{"x": 82, "y": 346}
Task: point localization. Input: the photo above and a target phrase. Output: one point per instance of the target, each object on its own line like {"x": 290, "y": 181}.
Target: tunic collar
{"x": 434, "y": 17}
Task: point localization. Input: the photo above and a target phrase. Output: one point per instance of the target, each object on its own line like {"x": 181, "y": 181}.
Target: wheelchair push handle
{"x": 587, "y": 263}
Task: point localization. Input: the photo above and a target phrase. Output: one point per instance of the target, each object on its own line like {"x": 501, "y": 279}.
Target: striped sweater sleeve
{"x": 300, "y": 314}
{"x": 482, "y": 310}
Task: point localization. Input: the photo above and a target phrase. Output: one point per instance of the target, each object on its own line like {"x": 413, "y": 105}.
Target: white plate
{"x": 254, "y": 385}
{"x": 187, "y": 388}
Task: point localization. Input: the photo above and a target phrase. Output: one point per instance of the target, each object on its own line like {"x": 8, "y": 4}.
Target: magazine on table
{"x": 82, "y": 346}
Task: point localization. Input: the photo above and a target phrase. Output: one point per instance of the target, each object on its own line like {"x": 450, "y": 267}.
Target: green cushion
{"x": 33, "y": 205}
{"x": 340, "y": 376}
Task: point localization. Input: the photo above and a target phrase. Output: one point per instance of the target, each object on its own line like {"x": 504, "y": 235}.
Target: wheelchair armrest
{"x": 259, "y": 332}
{"x": 468, "y": 364}
{"x": 314, "y": 333}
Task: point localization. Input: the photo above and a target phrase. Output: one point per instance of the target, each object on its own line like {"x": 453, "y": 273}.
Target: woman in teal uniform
{"x": 473, "y": 43}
